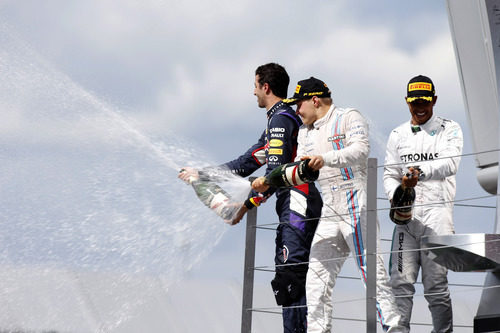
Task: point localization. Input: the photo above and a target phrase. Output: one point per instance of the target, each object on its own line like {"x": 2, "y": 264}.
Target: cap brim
{"x": 290, "y": 101}
{"x": 426, "y": 98}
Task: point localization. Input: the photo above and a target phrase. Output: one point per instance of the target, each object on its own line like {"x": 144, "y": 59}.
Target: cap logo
{"x": 314, "y": 93}
{"x": 420, "y": 86}
{"x": 297, "y": 89}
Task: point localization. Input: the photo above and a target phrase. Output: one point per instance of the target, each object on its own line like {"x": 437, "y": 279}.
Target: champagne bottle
{"x": 292, "y": 174}
{"x": 402, "y": 205}
{"x": 213, "y": 196}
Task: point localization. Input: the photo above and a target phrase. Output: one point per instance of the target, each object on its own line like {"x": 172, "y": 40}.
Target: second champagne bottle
{"x": 292, "y": 174}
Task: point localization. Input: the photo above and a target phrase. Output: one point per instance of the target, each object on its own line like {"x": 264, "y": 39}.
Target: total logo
{"x": 275, "y": 143}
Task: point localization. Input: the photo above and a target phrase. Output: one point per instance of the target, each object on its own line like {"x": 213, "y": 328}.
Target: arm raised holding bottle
{"x": 287, "y": 175}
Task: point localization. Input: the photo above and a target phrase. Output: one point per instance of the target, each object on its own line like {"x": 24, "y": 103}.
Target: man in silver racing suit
{"x": 336, "y": 141}
{"x": 429, "y": 147}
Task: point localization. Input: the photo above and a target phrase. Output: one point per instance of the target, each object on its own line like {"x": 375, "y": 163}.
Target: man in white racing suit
{"x": 336, "y": 141}
{"x": 428, "y": 147}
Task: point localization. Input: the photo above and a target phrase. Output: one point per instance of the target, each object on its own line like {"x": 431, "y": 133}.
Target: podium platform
{"x": 467, "y": 253}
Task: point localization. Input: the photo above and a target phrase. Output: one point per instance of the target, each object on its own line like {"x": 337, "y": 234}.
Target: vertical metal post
{"x": 487, "y": 318}
{"x": 371, "y": 247}
{"x": 248, "y": 273}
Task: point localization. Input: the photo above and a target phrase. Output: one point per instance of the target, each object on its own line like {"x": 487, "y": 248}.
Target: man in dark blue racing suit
{"x": 298, "y": 208}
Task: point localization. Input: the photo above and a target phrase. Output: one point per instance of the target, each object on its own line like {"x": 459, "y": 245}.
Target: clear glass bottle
{"x": 213, "y": 196}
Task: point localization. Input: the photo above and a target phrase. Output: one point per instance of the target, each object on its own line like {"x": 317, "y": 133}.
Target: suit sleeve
{"x": 250, "y": 161}
{"x": 449, "y": 157}
{"x": 281, "y": 149}
{"x": 357, "y": 145}
{"x": 393, "y": 173}
{"x": 300, "y": 144}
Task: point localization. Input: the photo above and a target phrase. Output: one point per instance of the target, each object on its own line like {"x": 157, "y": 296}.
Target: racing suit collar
{"x": 430, "y": 126}
{"x": 320, "y": 122}
{"x": 274, "y": 108}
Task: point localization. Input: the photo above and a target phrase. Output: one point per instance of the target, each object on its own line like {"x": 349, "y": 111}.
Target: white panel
{"x": 470, "y": 30}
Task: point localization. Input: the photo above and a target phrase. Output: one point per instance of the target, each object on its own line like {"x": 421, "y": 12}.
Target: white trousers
{"x": 341, "y": 232}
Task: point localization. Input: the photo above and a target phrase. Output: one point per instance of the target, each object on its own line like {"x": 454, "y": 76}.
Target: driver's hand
{"x": 238, "y": 216}
{"x": 410, "y": 179}
{"x": 188, "y": 174}
{"x": 316, "y": 162}
{"x": 259, "y": 185}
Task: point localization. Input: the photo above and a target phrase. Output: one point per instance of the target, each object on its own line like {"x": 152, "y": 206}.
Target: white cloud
{"x": 220, "y": 94}
{"x": 185, "y": 70}
{"x": 366, "y": 69}
{"x": 188, "y": 65}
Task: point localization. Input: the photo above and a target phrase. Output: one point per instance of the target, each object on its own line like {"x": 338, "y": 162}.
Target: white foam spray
{"x": 83, "y": 190}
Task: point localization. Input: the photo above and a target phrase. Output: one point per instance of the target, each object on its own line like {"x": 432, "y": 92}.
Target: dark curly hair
{"x": 275, "y": 76}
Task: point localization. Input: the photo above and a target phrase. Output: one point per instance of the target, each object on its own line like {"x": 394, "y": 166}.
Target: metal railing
{"x": 371, "y": 257}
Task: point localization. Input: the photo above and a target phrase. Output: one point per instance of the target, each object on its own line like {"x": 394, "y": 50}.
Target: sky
{"x": 174, "y": 81}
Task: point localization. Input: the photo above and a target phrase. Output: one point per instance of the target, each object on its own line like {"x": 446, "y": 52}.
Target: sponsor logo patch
{"x": 343, "y": 187}
{"x": 336, "y": 137}
{"x": 360, "y": 132}
{"x": 275, "y": 151}
{"x": 297, "y": 88}
{"x": 314, "y": 93}
{"x": 401, "y": 239}
{"x": 418, "y": 157}
{"x": 420, "y": 86}
{"x": 275, "y": 143}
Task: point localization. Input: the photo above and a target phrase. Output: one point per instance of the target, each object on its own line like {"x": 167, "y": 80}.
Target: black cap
{"x": 307, "y": 89}
{"x": 420, "y": 87}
